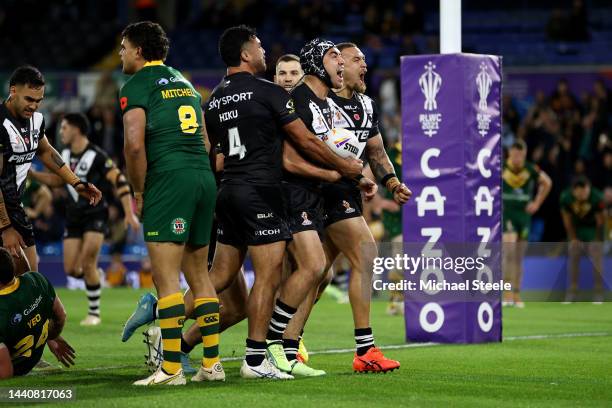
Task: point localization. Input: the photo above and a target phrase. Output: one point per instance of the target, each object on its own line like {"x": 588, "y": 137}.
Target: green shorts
{"x": 517, "y": 222}
{"x": 586, "y": 234}
{"x": 179, "y": 206}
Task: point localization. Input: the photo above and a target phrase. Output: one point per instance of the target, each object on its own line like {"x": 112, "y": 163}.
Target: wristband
{"x": 79, "y": 183}
{"x": 359, "y": 177}
{"x": 392, "y": 184}
{"x": 7, "y": 226}
{"x": 67, "y": 175}
{"x": 386, "y": 178}
{"x": 124, "y": 194}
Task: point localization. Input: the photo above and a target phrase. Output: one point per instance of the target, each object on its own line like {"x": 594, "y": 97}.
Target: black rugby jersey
{"x": 317, "y": 115}
{"x": 18, "y": 144}
{"x": 90, "y": 166}
{"x": 358, "y": 114}
{"x": 245, "y": 115}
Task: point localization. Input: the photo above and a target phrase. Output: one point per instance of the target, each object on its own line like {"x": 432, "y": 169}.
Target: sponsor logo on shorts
{"x": 219, "y": 231}
{"x": 260, "y": 233}
{"x": 16, "y": 319}
{"x": 152, "y": 233}
{"x": 305, "y": 218}
{"x": 264, "y": 216}
{"x": 178, "y": 226}
{"x": 348, "y": 208}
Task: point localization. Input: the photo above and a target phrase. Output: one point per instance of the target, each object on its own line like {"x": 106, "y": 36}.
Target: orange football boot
{"x": 374, "y": 362}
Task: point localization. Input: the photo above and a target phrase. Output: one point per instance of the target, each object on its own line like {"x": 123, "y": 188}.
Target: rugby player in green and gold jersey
{"x": 167, "y": 164}
{"x": 582, "y": 210}
{"x": 31, "y": 315}
{"x": 520, "y": 182}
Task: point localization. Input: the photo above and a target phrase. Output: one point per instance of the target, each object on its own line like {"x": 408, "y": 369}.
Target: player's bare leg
{"x": 298, "y": 322}
{"x": 354, "y": 239}
{"x": 595, "y": 251}
{"x": 166, "y": 259}
{"x": 267, "y": 263}
{"x": 72, "y": 249}
{"x": 205, "y": 311}
{"x": 233, "y": 310}
{"x": 521, "y": 248}
{"x": 509, "y": 263}
{"x": 90, "y": 249}
{"x": 575, "y": 249}
{"x": 307, "y": 251}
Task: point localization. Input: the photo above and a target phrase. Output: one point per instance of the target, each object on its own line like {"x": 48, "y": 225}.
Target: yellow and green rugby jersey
{"x": 173, "y": 135}
{"x": 519, "y": 187}
{"x": 26, "y": 308}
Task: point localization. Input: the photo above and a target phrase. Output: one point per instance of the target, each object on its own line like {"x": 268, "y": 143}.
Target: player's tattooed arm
{"x": 314, "y": 148}
{"x": 54, "y": 162}
{"x": 383, "y": 170}
{"x": 44, "y": 177}
{"x": 377, "y": 157}
{"x": 134, "y": 122}
{"x": 294, "y": 163}
{"x": 124, "y": 194}
{"x": 5, "y": 221}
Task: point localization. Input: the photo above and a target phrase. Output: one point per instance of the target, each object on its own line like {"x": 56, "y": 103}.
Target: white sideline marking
{"x": 389, "y": 347}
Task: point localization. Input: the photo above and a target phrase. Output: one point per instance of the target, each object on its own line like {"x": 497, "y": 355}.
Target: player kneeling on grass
{"x": 31, "y": 316}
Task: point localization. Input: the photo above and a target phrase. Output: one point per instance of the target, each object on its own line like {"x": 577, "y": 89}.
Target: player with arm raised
{"x": 345, "y": 227}
{"x": 233, "y": 299}
{"x": 249, "y": 116}
{"x": 87, "y": 225}
{"x": 167, "y": 164}
{"x": 31, "y": 315}
{"x": 22, "y": 136}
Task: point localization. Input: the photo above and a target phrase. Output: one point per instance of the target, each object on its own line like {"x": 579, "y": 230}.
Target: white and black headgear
{"x": 311, "y": 59}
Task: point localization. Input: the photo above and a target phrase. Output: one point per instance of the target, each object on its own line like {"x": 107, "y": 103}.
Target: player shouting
{"x": 346, "y": 230}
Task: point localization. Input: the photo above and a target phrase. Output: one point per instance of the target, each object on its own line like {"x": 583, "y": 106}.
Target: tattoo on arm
{"x": 4, "y": 218}
{"x": 378, "y": 159}
{"x": 57, "y": 159}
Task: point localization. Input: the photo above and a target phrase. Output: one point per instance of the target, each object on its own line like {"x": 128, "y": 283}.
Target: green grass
{"x": 553, "y": 372}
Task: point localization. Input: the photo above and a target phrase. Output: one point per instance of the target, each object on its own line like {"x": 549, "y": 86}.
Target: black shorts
{"x": 304, "y": 207}
{"x": 250, "y": 214}
{"x": 78, "y": 223}
{"x": 341, "y": 201}
{"x": 21, "y": 224}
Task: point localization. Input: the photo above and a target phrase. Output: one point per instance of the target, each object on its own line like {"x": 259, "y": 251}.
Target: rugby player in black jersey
{"x": 345, "y": 227}
{"x": 87, "y": 225}
{"x": 22, "y": 136}
{"x": 250, "y": 117}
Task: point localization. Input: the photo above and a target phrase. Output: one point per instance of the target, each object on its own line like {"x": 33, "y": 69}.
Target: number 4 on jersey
{"x": 235, "y": 146}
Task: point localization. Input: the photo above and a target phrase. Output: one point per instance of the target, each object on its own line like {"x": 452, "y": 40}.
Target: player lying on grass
{"x": 31, "y": 315}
